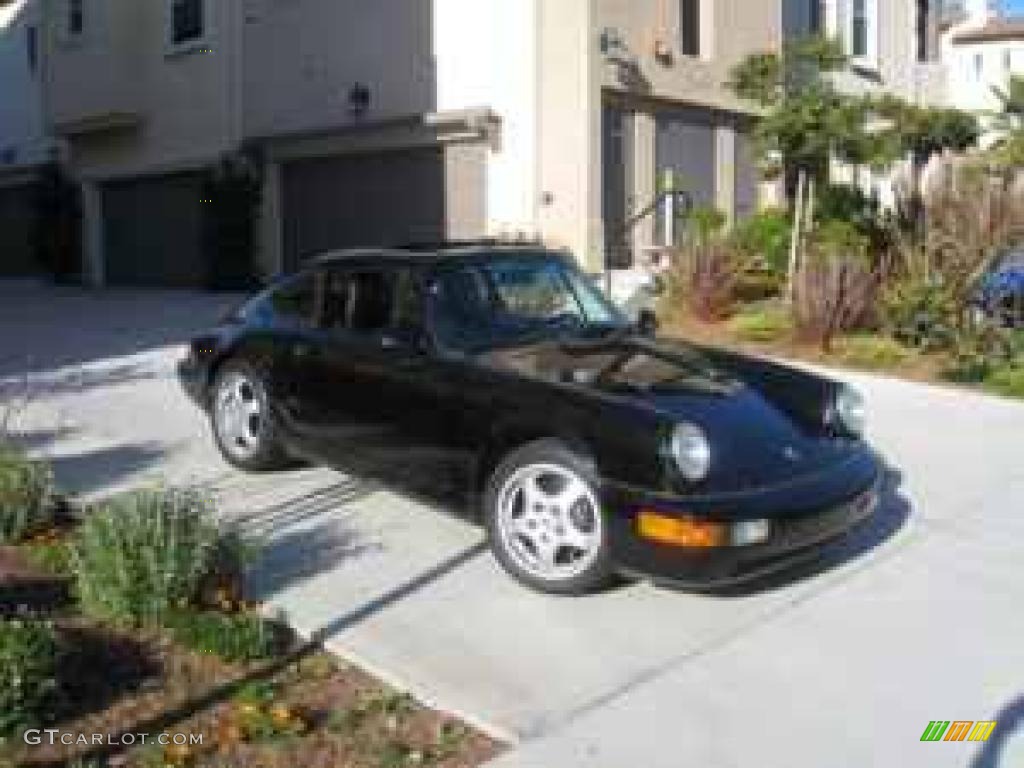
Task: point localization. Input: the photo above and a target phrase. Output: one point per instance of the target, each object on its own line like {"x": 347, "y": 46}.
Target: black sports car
{"x": 595, "y": 448}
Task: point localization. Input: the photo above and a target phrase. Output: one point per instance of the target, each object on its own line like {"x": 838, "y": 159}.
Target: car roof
{"x": 432, "y": 254}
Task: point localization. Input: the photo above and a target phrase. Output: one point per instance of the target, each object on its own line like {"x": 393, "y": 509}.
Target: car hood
{"x": 765, "y": 422}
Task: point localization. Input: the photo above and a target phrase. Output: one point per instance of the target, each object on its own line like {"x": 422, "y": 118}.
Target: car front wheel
{"x": 241, "y": 419}
{"x": 545, "y": 522}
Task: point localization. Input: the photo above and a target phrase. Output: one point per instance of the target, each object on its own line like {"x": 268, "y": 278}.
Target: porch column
{"x": 725, "y": 172}
{"x": 93, "y": 237}
{"x": 645, "y": 182}
{"x": 271, "y": 232}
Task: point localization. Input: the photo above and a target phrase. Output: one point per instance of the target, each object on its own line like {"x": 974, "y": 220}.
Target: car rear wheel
{"x": 545, "y": 522}
{"x": 241, "y": 418}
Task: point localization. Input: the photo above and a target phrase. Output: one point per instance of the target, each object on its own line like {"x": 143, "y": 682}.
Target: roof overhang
{"x": 395, "y": 133}
{"x": 993, "y": 32}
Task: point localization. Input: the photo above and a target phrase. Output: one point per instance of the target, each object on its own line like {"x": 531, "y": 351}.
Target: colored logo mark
{"x": 958, "y": 730}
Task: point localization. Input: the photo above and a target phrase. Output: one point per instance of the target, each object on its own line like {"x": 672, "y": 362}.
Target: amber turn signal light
{"x": 681, "y": 531}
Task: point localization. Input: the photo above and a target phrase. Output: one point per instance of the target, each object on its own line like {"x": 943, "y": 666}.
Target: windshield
{"x": 516, "y": 299}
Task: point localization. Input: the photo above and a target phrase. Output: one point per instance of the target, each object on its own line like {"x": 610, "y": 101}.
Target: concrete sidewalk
{"x": 918, "y": 618}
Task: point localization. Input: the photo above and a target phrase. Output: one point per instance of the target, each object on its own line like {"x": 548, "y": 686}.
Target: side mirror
{"x": 647, "y": 323}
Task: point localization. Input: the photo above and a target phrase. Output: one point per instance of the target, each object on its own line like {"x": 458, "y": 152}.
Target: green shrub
{"x": 141, "y": 554}
{"x": 766, "y": 237}
{"x": 921, "y": 314}
{"x": 28, "y": 661}
{"x": 231, "y": 637}
{"x": 26, "y": 495}
{"x": 979, "y": 352}
{"x": 1007, "y": 380}
{"x": 762, "y": 324}
{"x": 52, "y": 557}
{"x": 754, "y": 285}
{"x": 871, "y": 351}
{"x": 705, "y": 222}
{"x": 841, "y": 202}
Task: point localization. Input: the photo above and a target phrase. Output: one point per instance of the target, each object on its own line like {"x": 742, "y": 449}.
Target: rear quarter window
{"x": 296, "y": 303}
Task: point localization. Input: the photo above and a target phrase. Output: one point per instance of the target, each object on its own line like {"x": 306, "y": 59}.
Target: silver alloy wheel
{"x": 549, "y": 521}
{"x": 238, "y": 415}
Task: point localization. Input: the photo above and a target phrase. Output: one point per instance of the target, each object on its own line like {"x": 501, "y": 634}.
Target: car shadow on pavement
{"x": 893, "y": 512}
{"x": 1009, "y": 725}
{"x": 419, "y": 475}
{"x": 297, "y": 556}
{"x": 303, "y": 536}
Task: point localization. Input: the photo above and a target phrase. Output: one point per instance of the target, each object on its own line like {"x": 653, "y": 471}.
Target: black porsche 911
{"x": 596, "y": 449}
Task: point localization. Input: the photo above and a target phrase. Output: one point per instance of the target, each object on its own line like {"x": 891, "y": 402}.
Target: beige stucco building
{"x": 398, "y": 120}
{"x": 413, "y": 120}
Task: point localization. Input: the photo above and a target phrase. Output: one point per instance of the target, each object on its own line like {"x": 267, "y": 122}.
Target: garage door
{"x": 379, "y": 199}
{"x": 153, "y": 231}
{"x": 16, "y": 217}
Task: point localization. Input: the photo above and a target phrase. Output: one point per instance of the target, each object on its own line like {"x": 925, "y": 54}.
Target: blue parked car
{"x": 1000, "y": 295}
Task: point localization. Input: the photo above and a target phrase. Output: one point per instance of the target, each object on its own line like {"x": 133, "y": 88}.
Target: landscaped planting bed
{"x": 125, "y": 626}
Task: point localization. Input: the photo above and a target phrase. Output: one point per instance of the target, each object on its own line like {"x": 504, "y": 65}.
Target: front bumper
{"x": 804, "y": 515}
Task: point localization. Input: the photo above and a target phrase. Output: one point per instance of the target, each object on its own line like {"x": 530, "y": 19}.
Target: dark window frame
{"x": 76, "y": 17}
{"x": 815, "y": 17}
{"x": 924, "y": 24}
{"x": 860, "y": 23}
{"x": 690, "y": 27}
{"x": 32, "y": 48}
{"x": 187, "y": 21}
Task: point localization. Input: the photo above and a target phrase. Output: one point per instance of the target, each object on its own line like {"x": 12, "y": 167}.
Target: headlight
{"x": 850, "y": 411}
{"x": 691, "y": 451}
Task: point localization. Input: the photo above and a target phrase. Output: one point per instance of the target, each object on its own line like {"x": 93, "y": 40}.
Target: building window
{"x": 186, "y": 21}
{"x": 979, "y": 66}
{"x": 1008, "y": 61}
{"x": 32, "y": 47}
{"x": 815, "y": 17}
{"x": 859, "y": 29}
{"x": 76, "y": 17}
{"x": 689, "y": 21}
{"x": 924, "y": 30}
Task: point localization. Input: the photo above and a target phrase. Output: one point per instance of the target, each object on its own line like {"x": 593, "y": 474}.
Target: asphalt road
{"x": 920, "y": 617}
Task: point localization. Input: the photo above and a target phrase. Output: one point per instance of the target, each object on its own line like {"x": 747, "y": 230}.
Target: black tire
{"x": 268, "y": 455}
{"x": 600, "y": 572}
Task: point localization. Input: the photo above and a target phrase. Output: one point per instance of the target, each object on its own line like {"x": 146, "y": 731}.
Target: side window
{"x": 371, "y": 301}
{"x": 298, "y": 302}
{"x": 408, "y": 312}
{"x": 337, "y": 299}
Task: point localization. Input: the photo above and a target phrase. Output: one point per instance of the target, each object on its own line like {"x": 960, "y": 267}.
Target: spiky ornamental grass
{"x": 141, "y": 555}
{"x": 26, "y": 495}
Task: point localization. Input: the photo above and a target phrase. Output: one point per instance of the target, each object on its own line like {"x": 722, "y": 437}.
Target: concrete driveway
{"x": 919, "y": 618}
